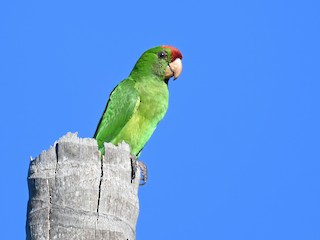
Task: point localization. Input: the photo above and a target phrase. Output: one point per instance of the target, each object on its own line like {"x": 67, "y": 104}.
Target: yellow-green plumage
{"x": 137, "y": 104}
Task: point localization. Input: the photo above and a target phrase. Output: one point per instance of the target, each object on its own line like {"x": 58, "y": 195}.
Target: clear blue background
{"x": 237, "y": 155}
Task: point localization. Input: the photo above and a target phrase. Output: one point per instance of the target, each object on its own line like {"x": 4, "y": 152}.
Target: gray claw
{"x": 144, "y": 172}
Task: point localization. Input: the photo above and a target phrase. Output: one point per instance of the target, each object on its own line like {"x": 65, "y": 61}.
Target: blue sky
{"x": 237, "y": 155}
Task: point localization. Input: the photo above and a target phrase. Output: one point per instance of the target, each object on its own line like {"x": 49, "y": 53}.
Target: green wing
{"x": 123, "y": 102}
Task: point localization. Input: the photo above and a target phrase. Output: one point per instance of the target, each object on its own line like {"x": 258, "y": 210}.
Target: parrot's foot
{"x": 144, "y": 172}
{"x": 135, "y": 163}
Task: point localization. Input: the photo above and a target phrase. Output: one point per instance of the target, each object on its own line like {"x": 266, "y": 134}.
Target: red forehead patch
{"x": 175, "y": 53}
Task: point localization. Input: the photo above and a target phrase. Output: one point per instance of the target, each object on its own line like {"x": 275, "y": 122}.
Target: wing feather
{"x": 123, "y": 102}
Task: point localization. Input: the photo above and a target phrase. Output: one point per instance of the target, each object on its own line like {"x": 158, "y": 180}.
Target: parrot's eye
{"x": 162, "y": 55}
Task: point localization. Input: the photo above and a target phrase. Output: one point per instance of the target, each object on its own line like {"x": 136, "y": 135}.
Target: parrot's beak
{"x": 174, "y": 69}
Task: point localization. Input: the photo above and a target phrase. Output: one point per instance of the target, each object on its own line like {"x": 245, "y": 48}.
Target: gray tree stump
{"x": 75, "y": 195}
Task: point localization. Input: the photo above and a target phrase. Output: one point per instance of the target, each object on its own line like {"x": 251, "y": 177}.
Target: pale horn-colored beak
{"x": 174, "y": 69}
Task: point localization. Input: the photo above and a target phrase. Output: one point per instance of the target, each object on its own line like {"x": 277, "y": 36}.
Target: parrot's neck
{"x": 145, "y": 69}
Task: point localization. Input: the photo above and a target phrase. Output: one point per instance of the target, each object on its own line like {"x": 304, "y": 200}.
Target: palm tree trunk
{"x": 73, "y": 194}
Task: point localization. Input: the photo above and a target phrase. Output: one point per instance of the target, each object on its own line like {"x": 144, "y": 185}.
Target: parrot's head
{"x": 163, "y": 61}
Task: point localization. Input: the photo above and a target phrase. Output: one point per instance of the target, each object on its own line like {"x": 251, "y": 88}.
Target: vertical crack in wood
{"x": 99, "y": 194}
{"x": 100, "y": 182}
{"x": 50, "y": 189}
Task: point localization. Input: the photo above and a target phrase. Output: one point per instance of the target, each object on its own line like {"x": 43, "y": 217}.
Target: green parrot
{"x": 139, "y": 102}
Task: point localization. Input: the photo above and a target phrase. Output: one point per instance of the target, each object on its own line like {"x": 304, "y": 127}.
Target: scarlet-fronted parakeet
{"x": 139, "y": 102}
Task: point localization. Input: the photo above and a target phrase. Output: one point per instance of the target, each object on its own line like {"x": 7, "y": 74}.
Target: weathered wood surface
{"x": 75, "y": 195}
